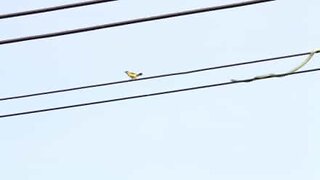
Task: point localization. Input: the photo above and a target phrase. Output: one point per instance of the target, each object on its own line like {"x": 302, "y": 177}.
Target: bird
{"x": 133, "y": 75}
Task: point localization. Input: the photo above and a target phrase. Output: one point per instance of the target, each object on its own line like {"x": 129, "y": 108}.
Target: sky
{"x": 262, "y": 130}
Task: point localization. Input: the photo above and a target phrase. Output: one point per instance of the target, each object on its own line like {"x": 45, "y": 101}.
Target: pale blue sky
{"x": 263, "y": 130}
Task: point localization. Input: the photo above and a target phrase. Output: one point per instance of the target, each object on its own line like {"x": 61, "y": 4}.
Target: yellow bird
{"x": 133, "y": 75}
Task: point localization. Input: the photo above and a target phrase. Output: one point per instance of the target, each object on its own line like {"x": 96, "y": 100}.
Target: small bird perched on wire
{"x": 133, "y": 75}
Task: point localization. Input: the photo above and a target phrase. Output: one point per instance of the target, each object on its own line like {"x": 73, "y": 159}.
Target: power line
{"x": 54, "y": 8}
{"x": 133, "y": 21}
{"x": 155, "y": 77}
{"x": 156, "y": 94}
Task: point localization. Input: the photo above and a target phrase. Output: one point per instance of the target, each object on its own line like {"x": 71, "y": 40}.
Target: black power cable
{"x": 156, "y": 94}
{"x": 55, "y": 8}
{"x": 133, "y": 21}
{"x": 155, "y": 77}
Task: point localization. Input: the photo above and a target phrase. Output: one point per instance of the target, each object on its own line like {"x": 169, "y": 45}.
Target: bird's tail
{"x": 140, "y": 74}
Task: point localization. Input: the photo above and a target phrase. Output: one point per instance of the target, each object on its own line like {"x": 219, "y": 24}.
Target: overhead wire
{"x": 133, "y": 21}
{"x": 156, "y": 94}
{"x": 157, "y": 76}
{"x": 54, "y": 8}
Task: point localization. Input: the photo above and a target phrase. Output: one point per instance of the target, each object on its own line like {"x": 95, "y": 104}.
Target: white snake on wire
{"x": 312, "y": 53}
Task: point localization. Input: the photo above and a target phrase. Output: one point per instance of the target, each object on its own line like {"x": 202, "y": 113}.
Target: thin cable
{"x": 155, "y": 77}
{"x": 55, "y": 8}
{"x": 133, "y": 21}
{"x": 155, "y": 94}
